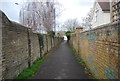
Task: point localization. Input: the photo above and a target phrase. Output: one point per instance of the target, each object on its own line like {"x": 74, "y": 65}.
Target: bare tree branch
{"x": 71, "y": 24}
{"x": 38, "y": 15}
{"x": 86, "y": 21}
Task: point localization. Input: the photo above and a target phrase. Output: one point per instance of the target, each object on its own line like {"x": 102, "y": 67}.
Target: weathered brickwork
{"x": 35, "y": 47}
{"x": 52, "y": 42}
{"x": 0, "y": 46}
{"x": 100, "y": 49}
{"x": 14, "y": 48}
{"x": 49, "y": 42}
{"x": 19, "y": 47}
{"x": 45, "y": 45}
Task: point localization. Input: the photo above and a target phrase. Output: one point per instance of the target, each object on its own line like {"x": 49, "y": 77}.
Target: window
{"x": 96, "y": 14}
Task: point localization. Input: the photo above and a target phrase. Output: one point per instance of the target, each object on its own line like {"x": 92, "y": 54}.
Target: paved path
{"x": 61, "y": 65}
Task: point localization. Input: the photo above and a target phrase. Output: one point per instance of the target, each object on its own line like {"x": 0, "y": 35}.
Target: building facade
{"x": 101, "y": 13}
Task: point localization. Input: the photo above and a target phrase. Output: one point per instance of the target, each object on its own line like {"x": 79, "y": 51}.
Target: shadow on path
{"x": 62, "y": 64}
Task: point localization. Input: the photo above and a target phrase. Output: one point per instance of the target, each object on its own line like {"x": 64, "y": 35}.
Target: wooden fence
{"x": 116, "y": 11}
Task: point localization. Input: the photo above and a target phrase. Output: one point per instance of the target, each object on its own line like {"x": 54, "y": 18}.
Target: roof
{"x": 104, "y": 5}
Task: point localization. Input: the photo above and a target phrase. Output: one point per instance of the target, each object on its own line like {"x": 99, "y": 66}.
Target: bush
{"x": 68, "y": 33}
{"x": 51, "y": 33}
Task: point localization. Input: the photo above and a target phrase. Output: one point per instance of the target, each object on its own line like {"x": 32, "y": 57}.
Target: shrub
{"x": 68, "y": 33}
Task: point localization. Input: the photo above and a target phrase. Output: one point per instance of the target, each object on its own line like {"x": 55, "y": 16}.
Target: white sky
{"x": 75, "y": 9}
{"x": 72, "y": 9}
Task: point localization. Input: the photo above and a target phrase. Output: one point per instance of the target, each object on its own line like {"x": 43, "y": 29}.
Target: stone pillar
{"x": 77, "y": 32}
{"x": 79, "y": 29}
{"x": 71, "y": 38}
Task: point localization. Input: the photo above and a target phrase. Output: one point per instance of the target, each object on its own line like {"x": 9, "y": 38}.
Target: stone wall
{"x": 20, "y": 47}
{"x": 34, "y": 47}
{"x": 45, "y": 44}
{"x": 1, "y": 59}
{"x": 49, "y": 42}
{"x": 14, "y": 48}
{"x": 100, "y": 49}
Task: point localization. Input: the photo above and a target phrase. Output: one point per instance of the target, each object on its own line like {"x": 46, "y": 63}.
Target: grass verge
{"x": 29, "y": 72}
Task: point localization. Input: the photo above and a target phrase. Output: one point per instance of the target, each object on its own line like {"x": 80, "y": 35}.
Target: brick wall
{"x": 35, "y": 47}
{"x": 45, "y": 44}
{"x": 14, "y": 48}
{"x": 100, "y": 49}
{"x": 1, "y": 46}
{"x": 19, "y": 47}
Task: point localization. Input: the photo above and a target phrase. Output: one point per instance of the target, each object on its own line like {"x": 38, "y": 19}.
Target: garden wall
{"x": 100, "y": 49}
{"x": 20, "y": 47}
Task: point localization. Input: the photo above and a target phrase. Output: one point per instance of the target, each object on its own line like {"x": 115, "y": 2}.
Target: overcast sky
{"x": 75, "y": 9}
{"x": 71, "y": 9}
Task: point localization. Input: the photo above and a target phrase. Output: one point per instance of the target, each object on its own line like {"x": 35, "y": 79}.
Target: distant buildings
{"x": 60, "y": 33}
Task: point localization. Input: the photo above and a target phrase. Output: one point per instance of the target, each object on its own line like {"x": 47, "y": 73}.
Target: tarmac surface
{"x": 62, "y": 64}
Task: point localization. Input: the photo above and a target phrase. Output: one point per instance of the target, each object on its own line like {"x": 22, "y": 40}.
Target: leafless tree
{"x": 71, "y": 24}
{"x": 48, "y": 16}
{"x": 38, "y": 15}
{"x": 86, "y": 21}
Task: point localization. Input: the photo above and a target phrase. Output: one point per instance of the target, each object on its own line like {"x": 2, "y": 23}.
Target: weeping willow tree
{"x": 38, "y": 15}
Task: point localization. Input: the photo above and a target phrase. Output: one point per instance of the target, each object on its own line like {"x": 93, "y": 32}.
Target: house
{"x": 101, "y": 13}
